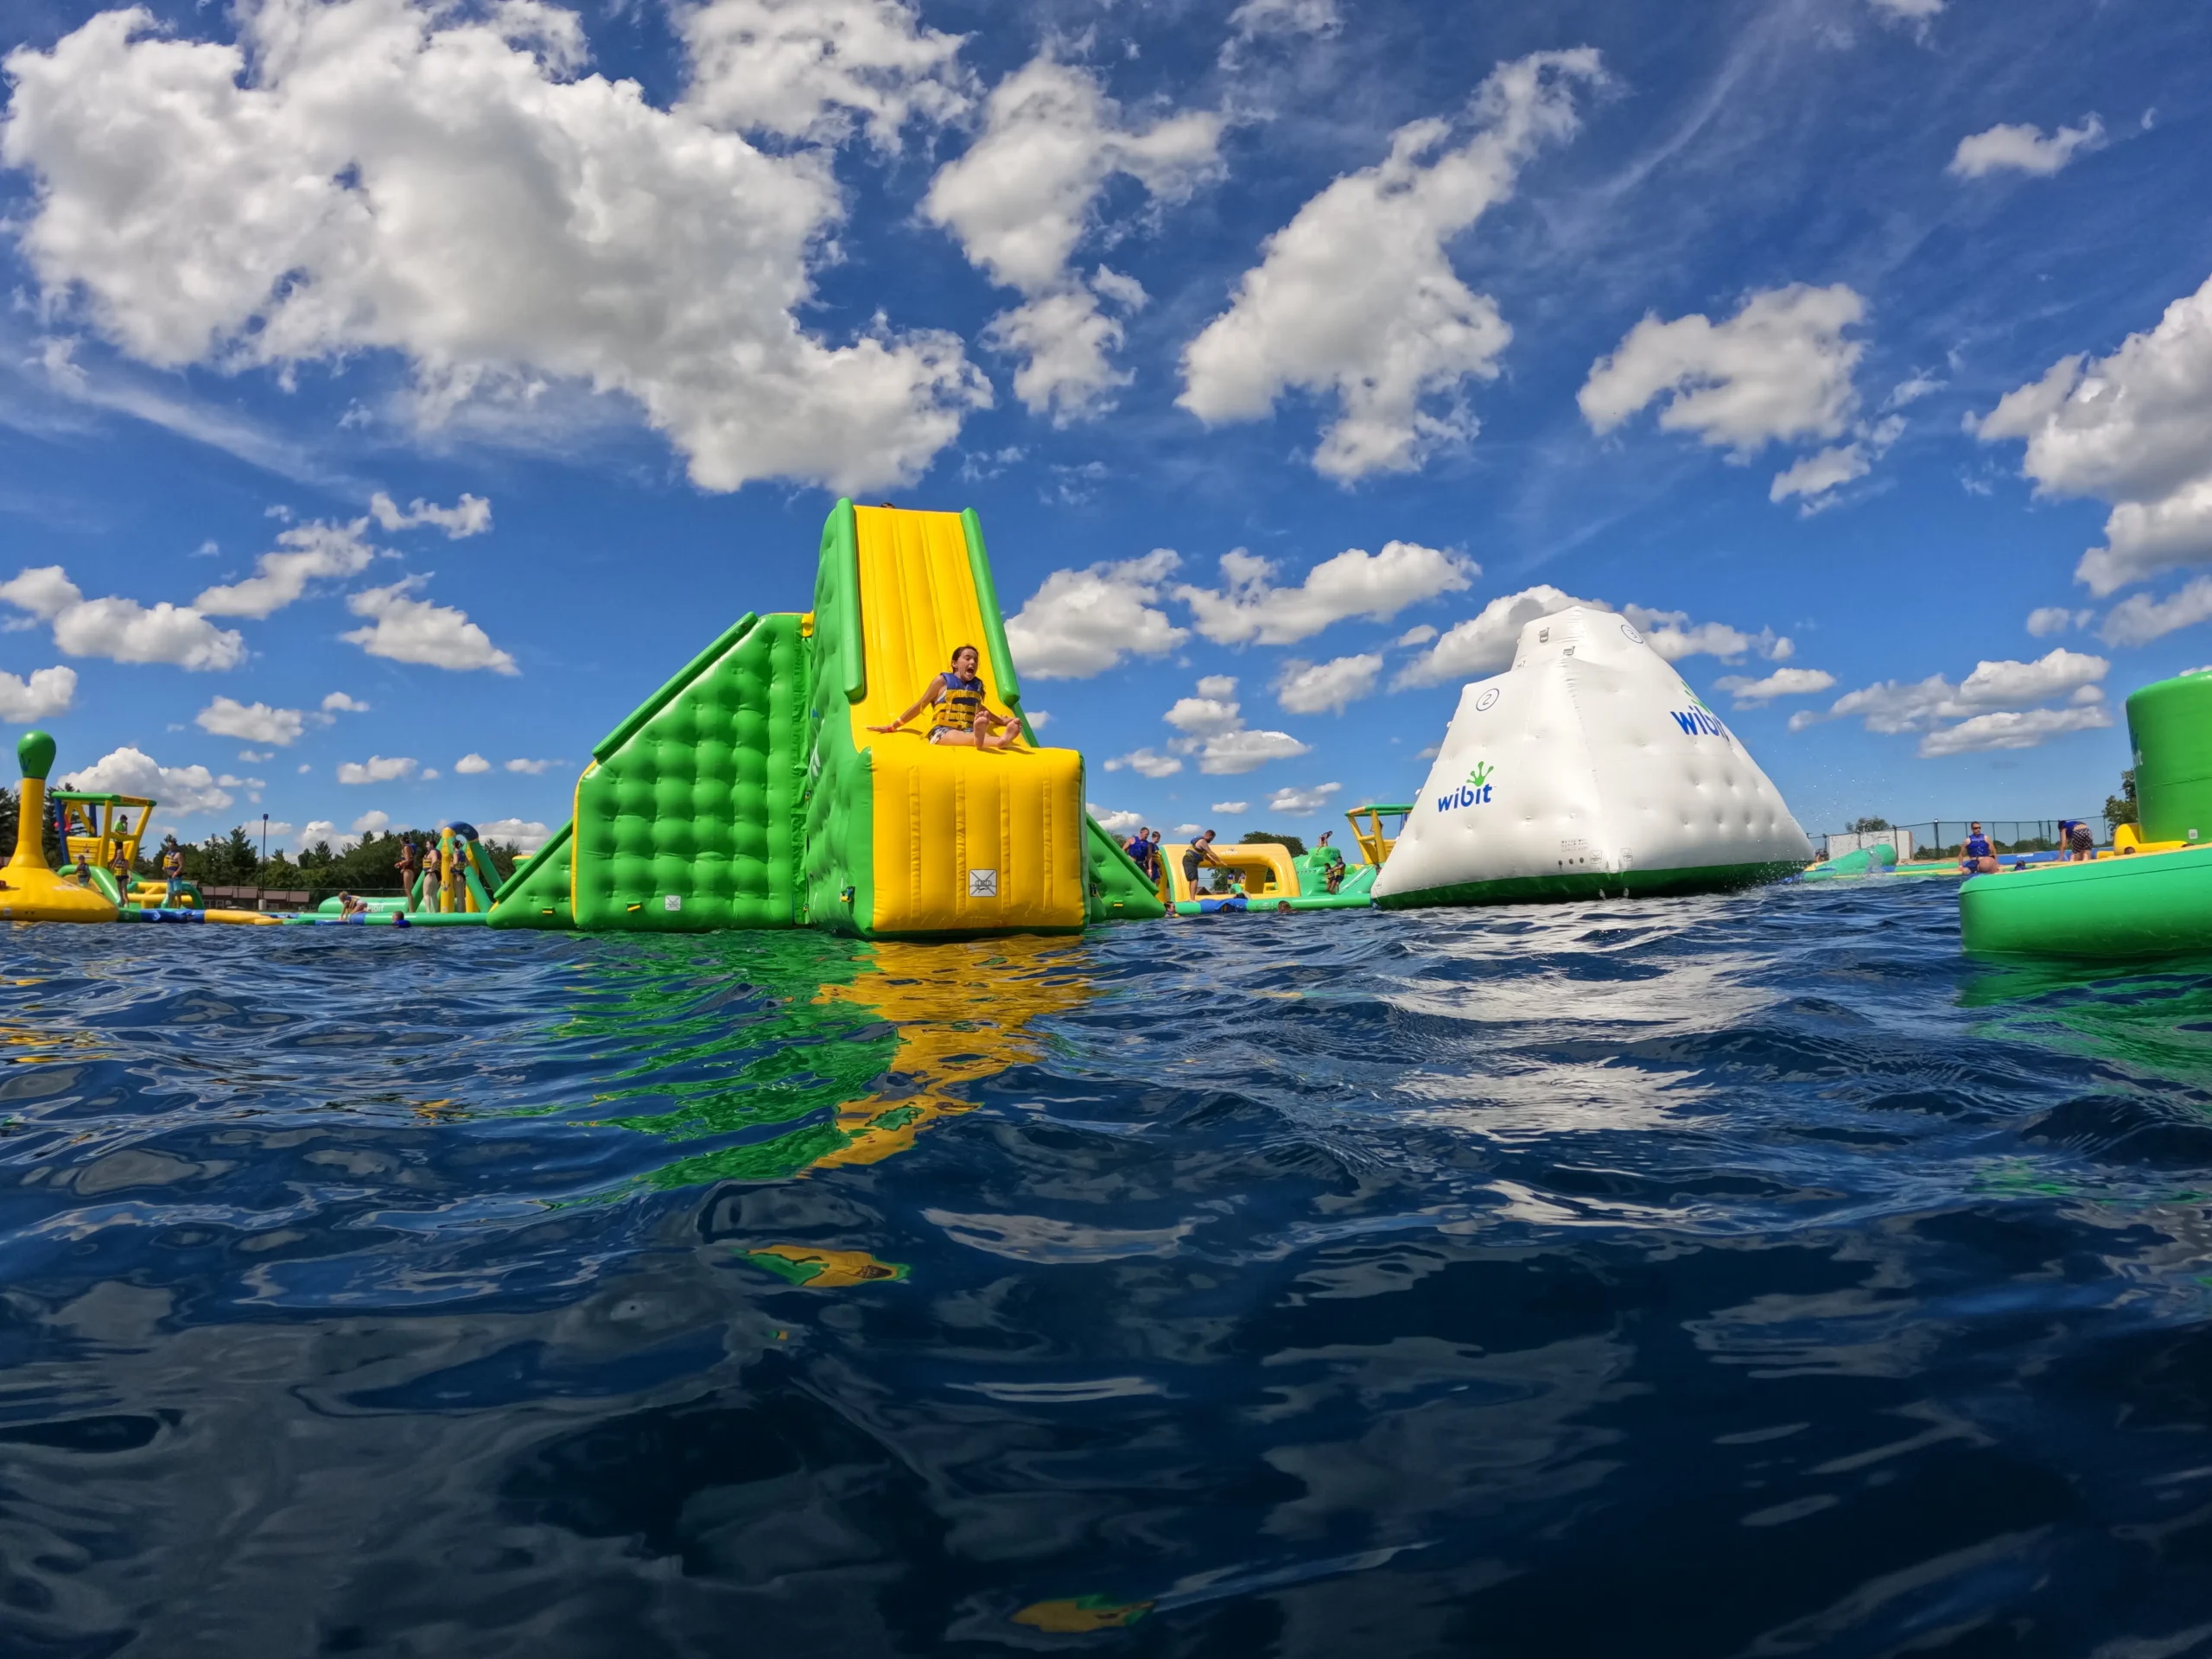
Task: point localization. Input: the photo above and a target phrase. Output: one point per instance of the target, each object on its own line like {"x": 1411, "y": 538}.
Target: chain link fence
{"x": 1938, "y": 838}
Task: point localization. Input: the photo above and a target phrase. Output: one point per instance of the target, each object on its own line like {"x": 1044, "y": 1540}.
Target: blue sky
{"x": 528, "y": 346}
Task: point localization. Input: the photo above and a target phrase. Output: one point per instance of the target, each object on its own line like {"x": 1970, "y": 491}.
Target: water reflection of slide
{"x": 824, "y": 1052}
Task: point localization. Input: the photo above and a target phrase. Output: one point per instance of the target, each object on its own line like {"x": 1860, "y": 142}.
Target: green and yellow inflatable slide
{"x": 749, "y": 793}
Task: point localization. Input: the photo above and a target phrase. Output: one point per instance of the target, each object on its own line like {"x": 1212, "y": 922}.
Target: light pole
{"x": 265, "y": 838}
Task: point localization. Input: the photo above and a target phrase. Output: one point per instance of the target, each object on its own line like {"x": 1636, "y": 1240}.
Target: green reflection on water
{"x": 857, "y": 1046}
{"x": 2154, "y": 1024}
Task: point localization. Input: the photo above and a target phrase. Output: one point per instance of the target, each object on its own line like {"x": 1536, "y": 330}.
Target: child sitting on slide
{"x": 962, "y": 715}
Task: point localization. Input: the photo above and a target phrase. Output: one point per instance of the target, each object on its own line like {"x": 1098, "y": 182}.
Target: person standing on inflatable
{"x": 962, "y": 715}
{"x": 1331, "y": 862}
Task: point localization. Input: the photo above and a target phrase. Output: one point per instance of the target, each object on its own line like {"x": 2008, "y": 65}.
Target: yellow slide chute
{"x": 959, "y": 840}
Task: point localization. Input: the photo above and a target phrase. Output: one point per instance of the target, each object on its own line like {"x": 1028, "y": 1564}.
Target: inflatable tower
{"x": 749, "y": 793}
{"x": 1586, "y": 769}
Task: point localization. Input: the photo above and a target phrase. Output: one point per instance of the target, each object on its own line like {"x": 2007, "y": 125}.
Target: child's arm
{"x": 936, "y": 686}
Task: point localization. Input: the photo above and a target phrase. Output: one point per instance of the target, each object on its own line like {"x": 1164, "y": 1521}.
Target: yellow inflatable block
{"x": 29, "y": 890}
{"x": 969, "y": 841}
{"x": 1264, "y": 869}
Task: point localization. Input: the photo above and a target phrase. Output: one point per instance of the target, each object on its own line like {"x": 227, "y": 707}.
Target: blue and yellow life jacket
{"x": 961, "y": 701}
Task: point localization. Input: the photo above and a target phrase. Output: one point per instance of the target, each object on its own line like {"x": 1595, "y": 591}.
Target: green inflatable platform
{"x": 2150, "y": 903}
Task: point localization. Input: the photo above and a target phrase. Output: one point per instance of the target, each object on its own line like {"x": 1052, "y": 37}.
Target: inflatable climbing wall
{"x": 1587, "y": 768}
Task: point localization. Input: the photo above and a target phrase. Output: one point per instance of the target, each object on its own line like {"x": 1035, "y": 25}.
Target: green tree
{"x": 1870, "y": 826}
{"x": 2123, "y": 808}
{"x": 1256, "y": 837}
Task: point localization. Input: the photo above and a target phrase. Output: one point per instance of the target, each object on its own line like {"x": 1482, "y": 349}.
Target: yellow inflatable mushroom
{"x": 29, "y": 890}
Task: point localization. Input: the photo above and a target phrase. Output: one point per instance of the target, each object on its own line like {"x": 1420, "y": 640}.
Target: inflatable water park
{"x": 775, "y": 781}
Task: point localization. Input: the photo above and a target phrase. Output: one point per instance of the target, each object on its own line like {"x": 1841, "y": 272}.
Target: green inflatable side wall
{"x": 2155, "y": 906}
{"x": 537, "y": 894}
{"x": 2170, "y": 729}
{"x": 686, "y": 821}
{"x": 1119, "y": 891}
{"x": 838, "y": 878}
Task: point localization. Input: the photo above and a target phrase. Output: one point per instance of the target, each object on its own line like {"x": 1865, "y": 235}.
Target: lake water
{"x": 1745, "y": 1276}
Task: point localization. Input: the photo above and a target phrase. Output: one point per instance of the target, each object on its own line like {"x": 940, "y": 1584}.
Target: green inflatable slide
{"x": 750, "y": 791}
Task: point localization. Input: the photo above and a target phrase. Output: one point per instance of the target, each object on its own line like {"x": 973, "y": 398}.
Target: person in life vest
{"x": 962, "y": 715}
{"x": 172, "y": 872}
{"x": 1977, "y": 857}
{"x": 1331, "y": 862}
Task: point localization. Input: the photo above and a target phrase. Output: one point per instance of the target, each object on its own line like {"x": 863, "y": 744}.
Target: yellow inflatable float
{"x": 29, "y": 890}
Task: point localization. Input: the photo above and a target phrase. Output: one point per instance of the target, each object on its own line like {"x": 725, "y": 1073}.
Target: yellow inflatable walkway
{"x": 934, "y": 838}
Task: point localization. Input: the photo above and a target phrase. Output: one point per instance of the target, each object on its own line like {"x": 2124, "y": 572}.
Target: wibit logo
{"x": 1474, "y": 792}
{"x": 1697, "y": 720}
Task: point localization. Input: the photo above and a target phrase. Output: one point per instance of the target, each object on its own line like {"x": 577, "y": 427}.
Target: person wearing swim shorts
{"x": 961, "y": 714}
{"x": 1977, "y": 857}
{"x": 1196, "y": 856}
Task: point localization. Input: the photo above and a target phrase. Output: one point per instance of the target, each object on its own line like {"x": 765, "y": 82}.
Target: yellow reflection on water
{"x": 962, "y": 1012}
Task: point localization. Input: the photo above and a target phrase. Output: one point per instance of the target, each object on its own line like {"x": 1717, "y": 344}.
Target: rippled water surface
{"x": 1748, "y": 1275}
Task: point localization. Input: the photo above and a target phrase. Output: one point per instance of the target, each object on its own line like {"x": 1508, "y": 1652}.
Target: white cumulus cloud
{"x": 377, "y": 769}
{"x": 1246, "y": 749}
{"x": 1674, "y": 636}
{"x": 1782, "y": 682}
{"x": 2138, "y": 619}
{"x": 251, "y": 722}
{"x": 323, "y": 832}
{"x": 472, "y": 763}
{"x": 1780, "y": 370}
{"x": 1355, "y": 583}
{"x": 2047, "y": 619}
{"x": 1356, "y": 298}
{"x": 45, "y": 693}
{"x": 1115, "y": 822}
{"x": 1146, "y": 763}
{"x": 2013, "y": 729}
{"x": 533, "y": 767}
{"x": 182, "y": 792}
{"x": 813, "y": 70}
{"x": 1302, "y": 802}
{"x": 122, "y": 630}
{"x": 338, "y": 703}
{"x": 1025, "y": 193}
{"x": 1261, "y": 19}
{"x": 2022, "y": 149}
{"x": 2135, "y": 429}
{"x": 376, "y": 175}
{"x": 310, "y": 551}
{"x": 1989, "y": 707}
{"x": 1230, "y": 807}
{"x": 527, "y": 834}
{"x": 407, "y": 630}
{"x": 470, "y": 516}
{"x": 1312, "y": 687}
{"x": 1079, "y": 623}
{"x": 1484, "y": 642}
{"x": 372, "y": 823}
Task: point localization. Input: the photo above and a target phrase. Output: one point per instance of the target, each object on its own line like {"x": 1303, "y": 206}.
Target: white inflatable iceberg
{"x": 1587, "y": 768}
